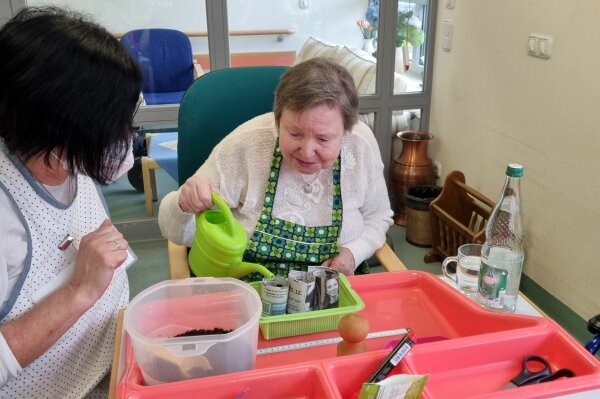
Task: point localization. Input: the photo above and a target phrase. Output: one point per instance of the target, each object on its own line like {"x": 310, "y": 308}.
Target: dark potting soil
{"x": 194, "y": 332}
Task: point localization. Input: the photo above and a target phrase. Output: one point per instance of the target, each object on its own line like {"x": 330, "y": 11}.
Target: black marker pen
{"x": 395, "y": 356}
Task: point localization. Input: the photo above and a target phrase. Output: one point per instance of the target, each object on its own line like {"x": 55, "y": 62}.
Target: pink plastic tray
{"x": 480, "y": 367}
{"x": 488, "y": 365}
{"x": 417, "y": 300}
{"x": 302, "y": 381}
{"x": 480, "y": 342}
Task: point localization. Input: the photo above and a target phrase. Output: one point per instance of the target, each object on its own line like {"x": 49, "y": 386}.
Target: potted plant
{"x": 408, "y": 34}
{"x": 369, "y": 33}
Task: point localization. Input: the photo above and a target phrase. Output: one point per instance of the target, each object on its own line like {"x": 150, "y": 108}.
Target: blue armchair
{"x": 165, "y": 58}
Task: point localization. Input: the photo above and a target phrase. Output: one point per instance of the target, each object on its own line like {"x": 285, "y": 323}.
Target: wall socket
{"x": 438, "y": 169}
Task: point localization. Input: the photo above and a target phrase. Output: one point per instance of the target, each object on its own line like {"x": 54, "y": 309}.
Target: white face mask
{"x": 126, "y": 165}
{"x": 124, "y": 168}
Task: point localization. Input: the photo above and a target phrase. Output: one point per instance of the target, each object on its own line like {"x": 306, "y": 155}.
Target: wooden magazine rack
{"x": 458, "y": 216}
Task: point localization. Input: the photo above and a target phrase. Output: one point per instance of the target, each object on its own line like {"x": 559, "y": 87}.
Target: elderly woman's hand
{"x": 343, "y": 263}
{"x": 194, "y": 195}
{"x": 100, "y": 253}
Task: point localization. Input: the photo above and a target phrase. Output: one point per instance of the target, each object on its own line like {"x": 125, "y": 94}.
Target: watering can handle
{"x": 224, "y": 208}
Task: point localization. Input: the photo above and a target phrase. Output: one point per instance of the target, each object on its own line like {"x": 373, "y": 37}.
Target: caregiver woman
{"x": 68, "y": 91}
{"x": 306, "y": 181}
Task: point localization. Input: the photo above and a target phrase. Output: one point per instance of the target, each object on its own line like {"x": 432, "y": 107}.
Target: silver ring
{"x": 117, "y": 245}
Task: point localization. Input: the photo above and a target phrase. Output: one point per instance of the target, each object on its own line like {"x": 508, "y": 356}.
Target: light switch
{"x": 539, "y": 45}
{"x": 544, "y": 47}
{"x": 447, "y": 34}
{"x": 533, "y": 44}
{"x": 446, "y": 43}
{"x": 446, "y": 28}
{"x": 450, "y": 4}
{"x": 303, "y": 3}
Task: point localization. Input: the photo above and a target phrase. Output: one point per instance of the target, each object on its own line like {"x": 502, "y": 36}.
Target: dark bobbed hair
{"x": 314, "y": 82}
{"x": 66, "y": 83}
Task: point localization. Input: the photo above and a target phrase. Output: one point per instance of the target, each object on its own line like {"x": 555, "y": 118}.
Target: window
{"x": 411, "y": 39}
{"x": 188, "y": 17}
{"x": 275, "y": 32}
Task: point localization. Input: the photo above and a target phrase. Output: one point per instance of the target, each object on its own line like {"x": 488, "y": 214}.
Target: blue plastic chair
{"x": 165, "y": 58}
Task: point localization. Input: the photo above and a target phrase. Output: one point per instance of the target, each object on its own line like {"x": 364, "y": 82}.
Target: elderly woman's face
{"x": 311, "y": 140}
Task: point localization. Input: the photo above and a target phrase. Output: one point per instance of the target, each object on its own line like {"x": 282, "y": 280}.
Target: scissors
{"x": 536, "y": 370}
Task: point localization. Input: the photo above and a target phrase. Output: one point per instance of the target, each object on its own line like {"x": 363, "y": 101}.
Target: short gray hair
{"x": 314, "y": 82}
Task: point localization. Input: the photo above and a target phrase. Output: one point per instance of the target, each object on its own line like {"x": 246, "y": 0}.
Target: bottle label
{"x": 492, "y": 284}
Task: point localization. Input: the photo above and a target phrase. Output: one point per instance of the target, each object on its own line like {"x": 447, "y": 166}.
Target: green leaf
{"x": 406, "y": 34}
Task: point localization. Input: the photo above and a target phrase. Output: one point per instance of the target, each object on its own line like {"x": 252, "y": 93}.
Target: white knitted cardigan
{"x": 239, "y": 167}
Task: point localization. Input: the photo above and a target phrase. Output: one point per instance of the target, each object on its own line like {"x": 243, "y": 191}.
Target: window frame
{"x": 383, "y": 102}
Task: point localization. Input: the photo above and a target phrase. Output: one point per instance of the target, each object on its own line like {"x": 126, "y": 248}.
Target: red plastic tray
{"x": 412, "y": 299}
{"x": 293, "y": 382}
{"x": 417, "y": 300}
{"x": 480, "y": 367}
{"x": 488, "y": 365}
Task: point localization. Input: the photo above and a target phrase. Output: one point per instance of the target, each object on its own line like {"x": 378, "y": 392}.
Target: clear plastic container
{"x": 159, "y": 313}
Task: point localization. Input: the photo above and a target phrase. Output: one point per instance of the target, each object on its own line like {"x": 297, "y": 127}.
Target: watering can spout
{"x": 244, "y": 268}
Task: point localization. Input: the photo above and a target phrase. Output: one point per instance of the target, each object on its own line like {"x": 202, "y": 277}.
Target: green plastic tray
{"x": 289, "y": 325}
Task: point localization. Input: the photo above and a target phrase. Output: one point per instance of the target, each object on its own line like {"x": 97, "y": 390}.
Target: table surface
{"x": 524, "y": 304}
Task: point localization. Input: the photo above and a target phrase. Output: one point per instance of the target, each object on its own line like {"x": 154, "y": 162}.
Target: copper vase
{"x": 412, "y": 167}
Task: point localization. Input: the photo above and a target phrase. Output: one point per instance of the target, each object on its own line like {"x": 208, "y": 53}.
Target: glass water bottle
{"x": 502, "y": 253}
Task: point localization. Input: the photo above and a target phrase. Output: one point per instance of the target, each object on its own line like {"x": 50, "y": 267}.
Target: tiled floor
{"x": 126, "y": 203}
{"x": 151, "y": 267}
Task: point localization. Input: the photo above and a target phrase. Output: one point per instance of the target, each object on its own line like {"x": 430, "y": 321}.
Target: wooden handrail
{"x": 258, "y": 32}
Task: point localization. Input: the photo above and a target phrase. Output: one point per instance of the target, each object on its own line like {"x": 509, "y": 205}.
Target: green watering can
{"x": 219, "y": 245}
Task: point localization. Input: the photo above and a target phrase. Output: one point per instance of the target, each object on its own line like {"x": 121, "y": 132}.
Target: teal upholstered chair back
{"x": 217, "y": 103}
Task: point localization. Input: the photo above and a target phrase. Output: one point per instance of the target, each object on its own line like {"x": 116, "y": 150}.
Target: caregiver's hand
{"x": 343, "y": 263}
{"x": 194, "y": 195}
{"x": 100, "y": 253}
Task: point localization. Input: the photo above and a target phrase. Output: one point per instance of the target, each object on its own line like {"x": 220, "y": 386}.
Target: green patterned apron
{"x": 283, "y": 246}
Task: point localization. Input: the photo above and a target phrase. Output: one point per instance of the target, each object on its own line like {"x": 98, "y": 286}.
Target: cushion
{"x": 400, "y": 84}
{"x": 315, "y": 47}
{"x": 399, "y": 120}
{"x": 362, "y": 66}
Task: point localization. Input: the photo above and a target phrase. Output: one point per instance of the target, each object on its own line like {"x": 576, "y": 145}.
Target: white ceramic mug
{"x": 468, "y": 264}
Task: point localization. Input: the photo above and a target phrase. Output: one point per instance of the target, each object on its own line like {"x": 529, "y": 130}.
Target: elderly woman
{"x": 68, "y": 91}
{"x": 305, "y": 181}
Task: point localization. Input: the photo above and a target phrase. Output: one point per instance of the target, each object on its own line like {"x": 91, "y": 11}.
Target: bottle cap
{"x": 514, "y": 170}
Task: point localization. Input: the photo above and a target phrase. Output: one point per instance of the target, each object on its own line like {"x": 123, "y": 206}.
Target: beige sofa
{"x": 362, "y": 67}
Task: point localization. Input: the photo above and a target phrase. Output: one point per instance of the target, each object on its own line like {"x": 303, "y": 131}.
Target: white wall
{"x": 493, "y": 104}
